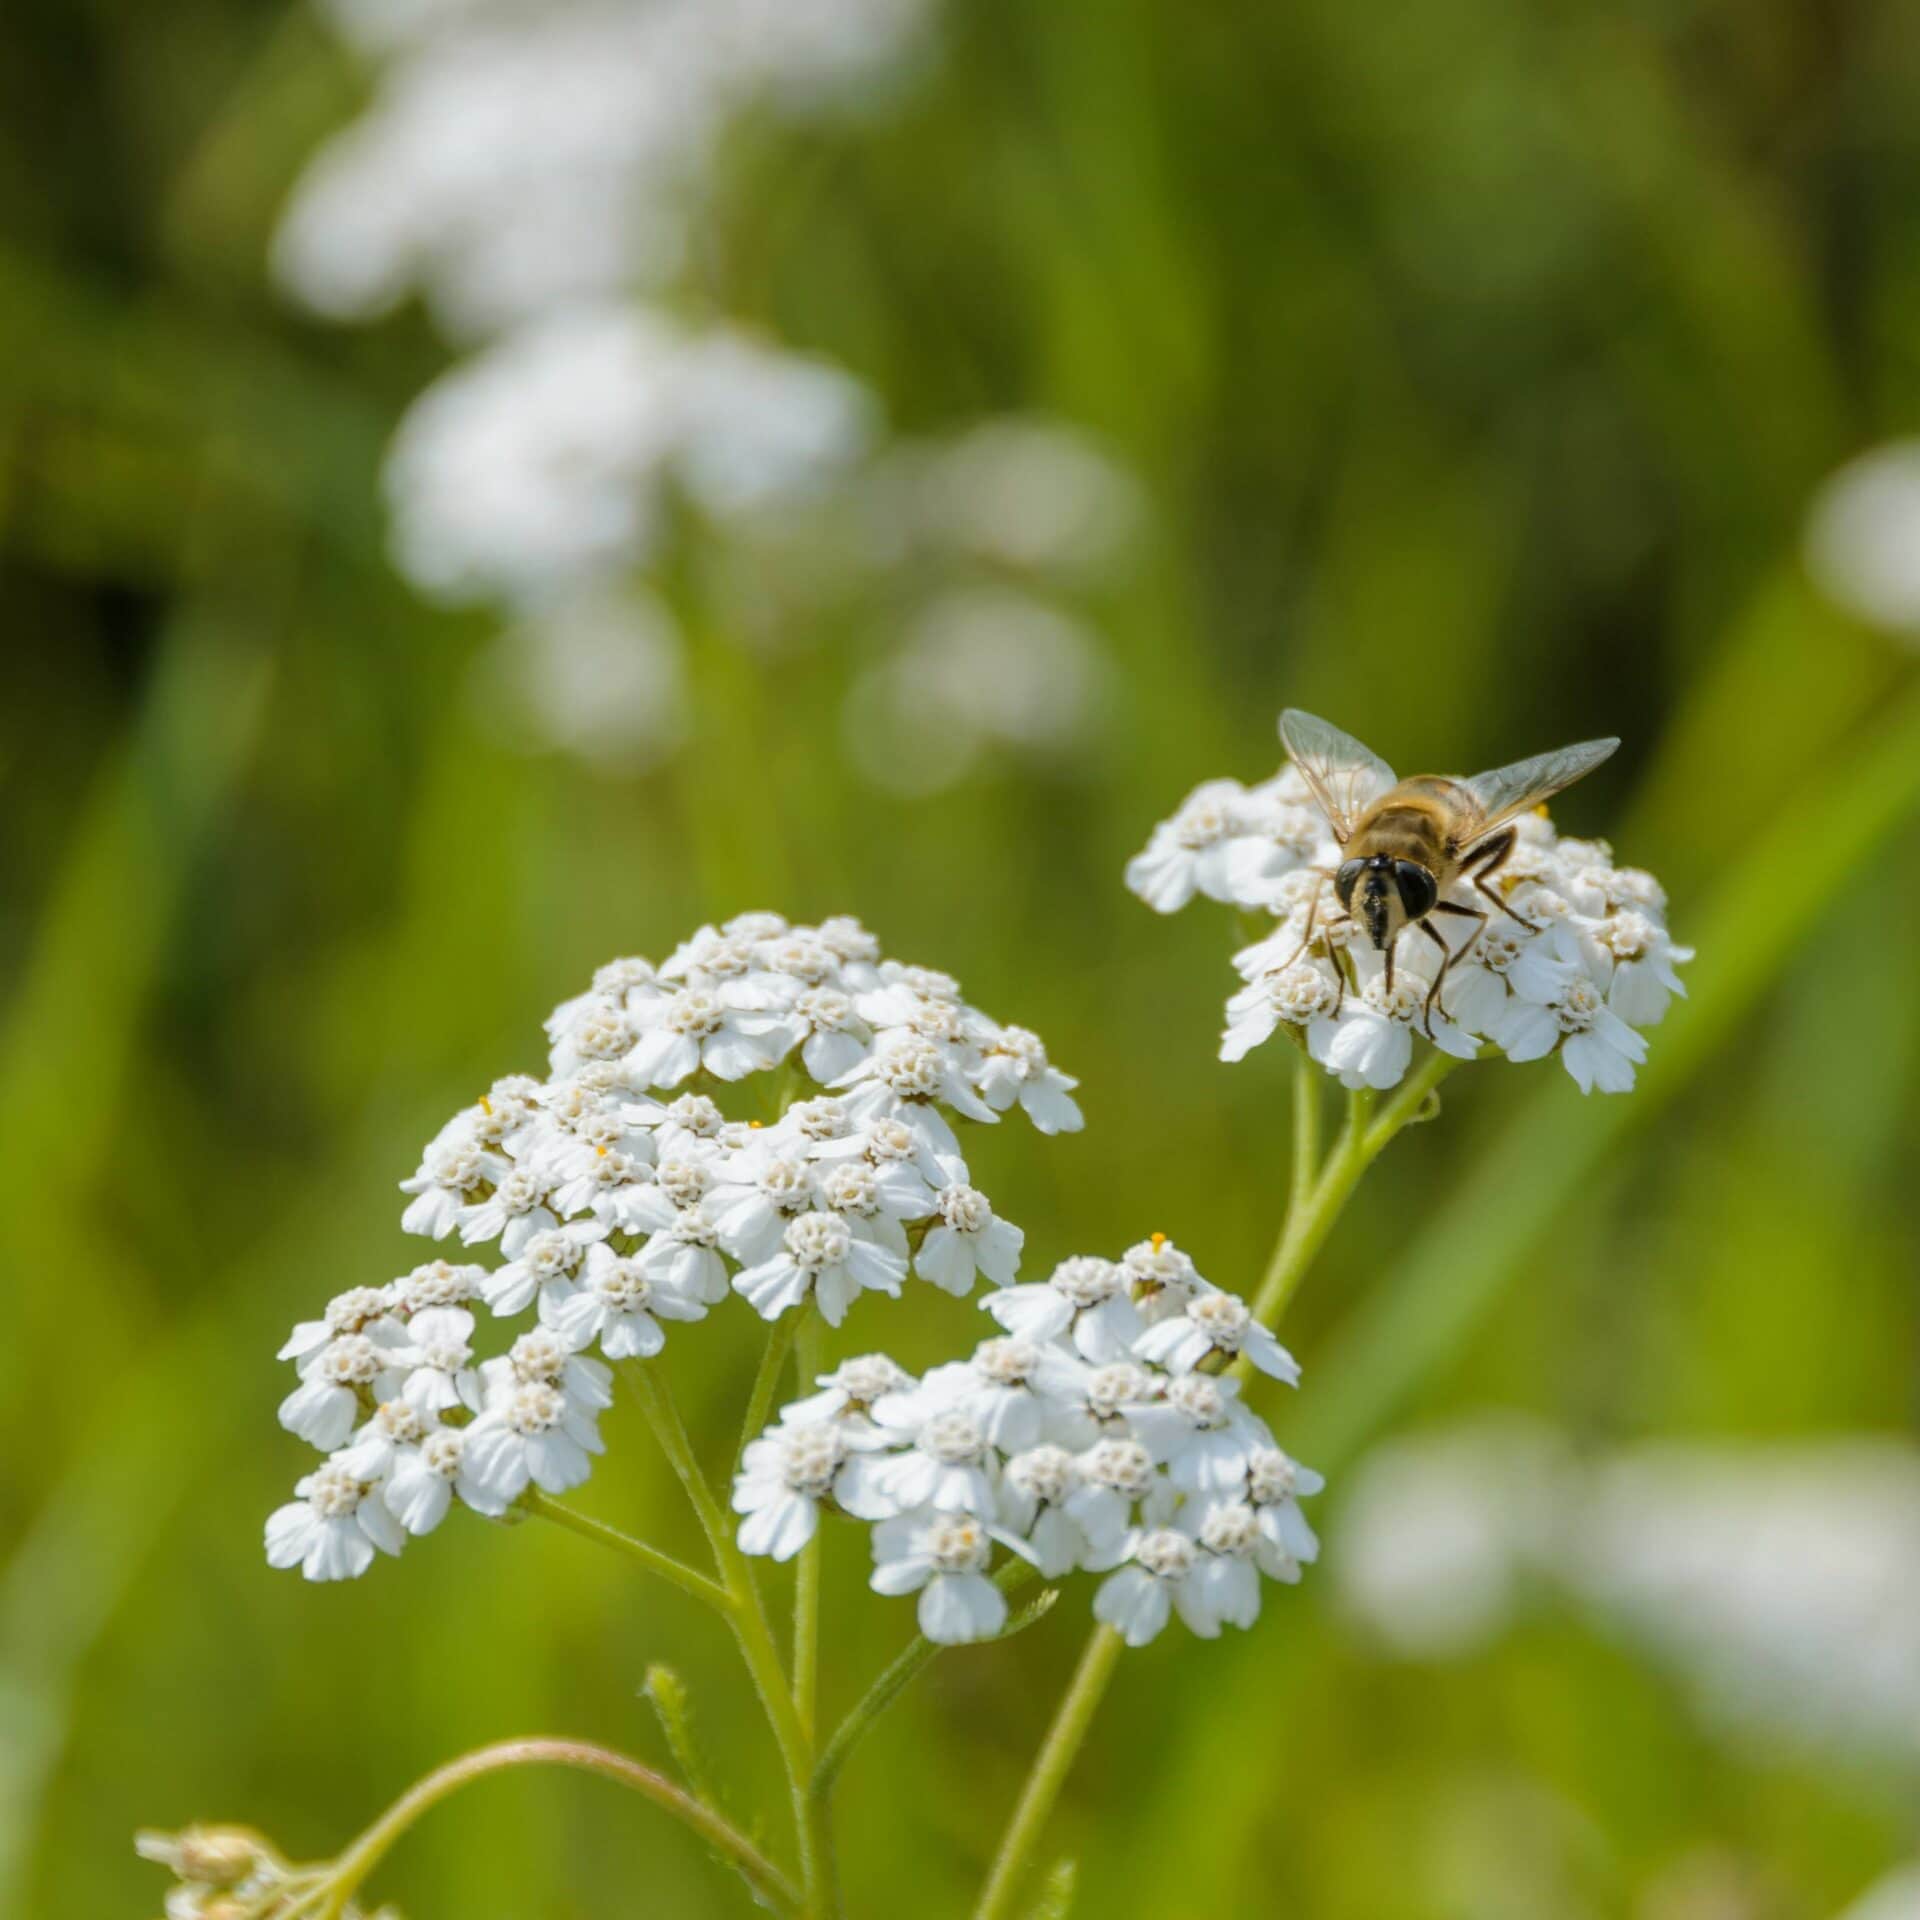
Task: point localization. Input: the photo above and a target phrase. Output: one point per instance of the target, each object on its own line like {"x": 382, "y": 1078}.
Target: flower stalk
{"x": 810, "y": 1356}
{"x": 687, "y": 1579}
{"x": 1050, "y": 1769}
{"x": 365, "y": 1854}
{"x": 748, "y": 1618}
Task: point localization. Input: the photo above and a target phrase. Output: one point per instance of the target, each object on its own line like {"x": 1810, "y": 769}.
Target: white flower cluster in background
{"x": 522, "y": 153}
{"x": 1094, "y": 1432}
{"x": 543, "y": 474}
{"x": 1777, "y": 1581}
{"x": 979, "y": 668}
{"x": 1579, "y": 965}
{"x": 543, "y": 464}
{"x": 619, "y": 1201}
{"x": 542, "y": 173}
{"x": 1863, "y": 537}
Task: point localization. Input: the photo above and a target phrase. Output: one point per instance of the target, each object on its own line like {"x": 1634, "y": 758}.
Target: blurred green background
{"x": 1476, "y": 363}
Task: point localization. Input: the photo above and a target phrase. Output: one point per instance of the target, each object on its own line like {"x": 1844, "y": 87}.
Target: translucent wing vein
{"x": 1346, "y": 777}
{"x": 1501, "y": 792}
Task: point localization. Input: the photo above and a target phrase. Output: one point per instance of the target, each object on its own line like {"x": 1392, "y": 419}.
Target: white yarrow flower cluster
{"x": 1579, "y": 964}
{"x": 1093, "y": 1433}
{"x": 620, "y": 1203}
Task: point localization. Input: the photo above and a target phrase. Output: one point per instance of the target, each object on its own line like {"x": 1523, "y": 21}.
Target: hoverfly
{"x": 1407, "y": 840}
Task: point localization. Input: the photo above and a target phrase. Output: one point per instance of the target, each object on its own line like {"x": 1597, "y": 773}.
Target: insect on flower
{"x": 1405, "y": 841}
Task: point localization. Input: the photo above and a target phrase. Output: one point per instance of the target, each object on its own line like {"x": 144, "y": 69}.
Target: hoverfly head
{"x": 1375, "y": 901}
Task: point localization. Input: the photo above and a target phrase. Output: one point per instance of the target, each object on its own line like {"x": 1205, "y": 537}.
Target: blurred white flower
{"x": 982, "y": 670}
{"x": 1024, "y": 493}
{"x": 518, "y": 155}
{"x": 1437, "y": 1532}
{"x": 600, "y": 673}
{"x": 1896, "y": 1897}
{"x": 1777, "y": 1579}
{"x": 546, "y": 461}
{"x": 1863, "y": 537}
{"x": 542, "y": 174}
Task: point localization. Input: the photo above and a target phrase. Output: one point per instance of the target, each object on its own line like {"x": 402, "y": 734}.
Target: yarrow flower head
{"x": 1503, "y": 937}
{"x": 234, "y": 1873}
{"x": 622, "y": 1205}
{"x": 1098, "y": 1432}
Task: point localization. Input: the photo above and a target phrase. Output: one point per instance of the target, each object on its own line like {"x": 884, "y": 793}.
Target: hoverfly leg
{"x": 1446, "y": 960}
{"x": 1487, "y": 859}
{"x": 1337, "y": 961}
{"x": 1306, "y": 936}
{"x": 1474, "y": 914}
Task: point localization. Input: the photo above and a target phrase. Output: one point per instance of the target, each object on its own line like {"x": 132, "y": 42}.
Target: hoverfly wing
{"x": 1501, "y": 792}
{"x": 1346, "y": 777}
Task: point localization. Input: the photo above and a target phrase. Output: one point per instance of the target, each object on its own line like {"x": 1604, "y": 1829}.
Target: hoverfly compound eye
{"x": 1346, "y": 880}
{"x": 1417, "y": 890}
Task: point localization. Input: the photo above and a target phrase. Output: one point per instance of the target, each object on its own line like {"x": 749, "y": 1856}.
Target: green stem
{"x": 1323, "y": 1194}
{"x": 748, "y": 1618}
{"x": 1050, "y": 1769}
{"x": 1320, "y": 1198}
{"x": 810, "y": 1355}
{"x": 1415, "y": 1099}
{"x": 766, "y": 1382}
{"x": 1306, "y": 1134}
{"x": 912, "y": 1660}
{"x": 663, "y": 1416}
{"x": 366, "y": 1853}
{"x": 664, "y": 1564}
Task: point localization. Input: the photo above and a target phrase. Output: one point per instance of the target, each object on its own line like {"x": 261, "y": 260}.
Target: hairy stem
{"x": 664, "y": 1564}
{"x": 906, "y": 1666}
{"x": 366, "y": 1853}
{"x": 766, "y": 1381}
{"x": 748, "y": 1618}
{"x": 1050, "y": 1768}
{"x": 810, "y": 1353}
{"x": 1306, "y": 1136}
{"x": 1321, "y": 1195}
